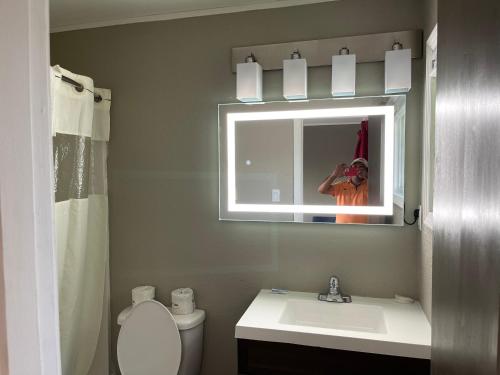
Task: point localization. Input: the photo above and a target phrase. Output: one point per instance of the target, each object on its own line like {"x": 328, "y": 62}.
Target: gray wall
{"x": 430, "y": 16}
{"x": 269, "y": 147}
{"x": 167, "y": 79}
{"x": 466, "y": 231}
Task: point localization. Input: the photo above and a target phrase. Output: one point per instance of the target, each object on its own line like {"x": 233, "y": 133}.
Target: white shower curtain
{"x": 80, "y": 135}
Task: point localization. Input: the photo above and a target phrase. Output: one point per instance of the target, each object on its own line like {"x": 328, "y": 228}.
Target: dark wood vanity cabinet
{"x": 272, "y": 358}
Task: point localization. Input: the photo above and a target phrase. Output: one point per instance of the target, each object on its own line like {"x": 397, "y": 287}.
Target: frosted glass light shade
{"x": 249, "y": 82}
{"x": 397, "y": 71}
{"x": 344, "y": 75}
{"x": 295, "y": 79}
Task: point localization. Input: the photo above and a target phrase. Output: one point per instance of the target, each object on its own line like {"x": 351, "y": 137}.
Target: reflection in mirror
{"x": 321, "y": 161}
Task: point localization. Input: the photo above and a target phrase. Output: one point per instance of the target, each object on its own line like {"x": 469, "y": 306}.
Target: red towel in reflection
{"x": 361, "y": 150}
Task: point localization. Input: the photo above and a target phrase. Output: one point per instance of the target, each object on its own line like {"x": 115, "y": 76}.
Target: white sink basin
{"x": 371, "y": 325}
{"x": 344, "y": 316}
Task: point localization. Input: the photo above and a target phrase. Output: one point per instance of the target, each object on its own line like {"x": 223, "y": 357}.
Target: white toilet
{"x": 152, "y": 341}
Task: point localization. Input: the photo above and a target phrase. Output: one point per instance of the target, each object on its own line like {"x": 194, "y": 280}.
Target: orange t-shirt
{"x": 348, "y": 194}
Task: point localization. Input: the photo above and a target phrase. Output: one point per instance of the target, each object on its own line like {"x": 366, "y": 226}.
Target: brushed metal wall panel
{"x": 466, "y": 263}
{"x": 368, "y": 48}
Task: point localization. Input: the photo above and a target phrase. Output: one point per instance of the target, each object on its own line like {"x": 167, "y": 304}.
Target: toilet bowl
{"x": 153, "y": 341}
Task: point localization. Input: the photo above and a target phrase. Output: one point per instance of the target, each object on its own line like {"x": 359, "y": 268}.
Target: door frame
{"x": 427, "y": 162}
{"x": 29, "y": 327}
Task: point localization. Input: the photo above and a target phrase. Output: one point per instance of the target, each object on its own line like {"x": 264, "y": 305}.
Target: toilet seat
{"x": 149, "y": 342}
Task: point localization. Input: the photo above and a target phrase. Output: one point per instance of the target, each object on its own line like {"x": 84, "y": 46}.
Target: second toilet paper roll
{"x": 183, "y": 301}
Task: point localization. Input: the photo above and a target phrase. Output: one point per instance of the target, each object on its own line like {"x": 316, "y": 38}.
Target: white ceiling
{"x": 82, "y": 14}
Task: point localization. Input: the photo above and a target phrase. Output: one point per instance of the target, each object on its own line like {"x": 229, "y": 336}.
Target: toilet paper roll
{"x": 142, "y": 293}
{"x": 183, "y": 301}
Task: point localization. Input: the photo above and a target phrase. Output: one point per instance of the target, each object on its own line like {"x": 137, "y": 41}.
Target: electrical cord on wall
{"x": 416, "y": 214}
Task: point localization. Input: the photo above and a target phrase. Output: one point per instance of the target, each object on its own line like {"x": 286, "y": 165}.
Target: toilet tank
{"x": 191, "y": 331}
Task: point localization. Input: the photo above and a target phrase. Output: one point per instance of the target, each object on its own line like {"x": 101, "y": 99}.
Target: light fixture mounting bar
{"x": 367, "y": 48}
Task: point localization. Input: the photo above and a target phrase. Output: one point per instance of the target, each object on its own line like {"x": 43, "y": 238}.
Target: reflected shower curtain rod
{"x": 79, "y": 87}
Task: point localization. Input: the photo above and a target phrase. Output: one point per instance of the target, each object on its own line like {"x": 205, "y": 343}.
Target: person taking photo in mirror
{"x": 349, "y": 185}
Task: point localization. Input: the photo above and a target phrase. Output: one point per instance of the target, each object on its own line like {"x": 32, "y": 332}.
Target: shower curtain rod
{"x": 79, "y": 87}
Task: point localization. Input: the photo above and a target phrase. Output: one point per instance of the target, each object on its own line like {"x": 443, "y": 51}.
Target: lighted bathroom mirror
{"x": 317, "y": 161}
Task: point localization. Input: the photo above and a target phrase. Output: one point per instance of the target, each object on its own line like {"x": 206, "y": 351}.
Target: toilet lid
{"x": 149, "y": 342}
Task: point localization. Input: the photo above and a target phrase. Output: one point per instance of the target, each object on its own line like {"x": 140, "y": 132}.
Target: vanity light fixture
{"x": 247, "y": 117}
{"x": 249, "y": 80}
{"x": 295, "y": 77}
{"x": 344, "y": 73}
{"x": 397, "y": 69}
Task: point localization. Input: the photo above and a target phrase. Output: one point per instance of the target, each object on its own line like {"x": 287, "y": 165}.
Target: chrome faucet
{"x": 334, "y": 294}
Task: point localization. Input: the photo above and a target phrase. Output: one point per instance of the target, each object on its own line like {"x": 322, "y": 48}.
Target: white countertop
{"x": 406, "y": 333}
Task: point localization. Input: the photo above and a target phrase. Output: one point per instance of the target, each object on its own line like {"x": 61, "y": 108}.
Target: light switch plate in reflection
{"x": 275, "y": 195}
